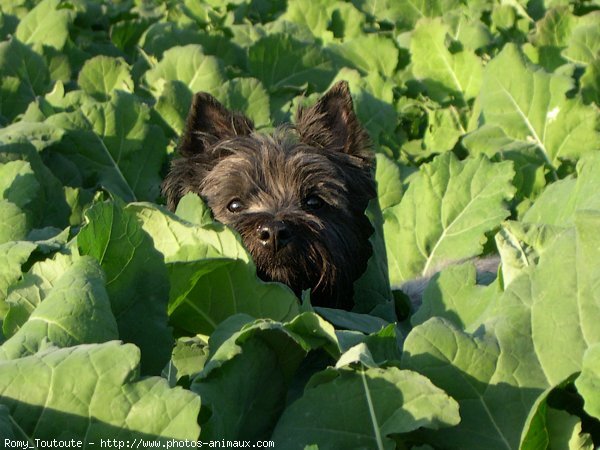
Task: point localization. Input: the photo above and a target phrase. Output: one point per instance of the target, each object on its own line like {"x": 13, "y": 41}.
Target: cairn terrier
{"x": 296, "y": 196}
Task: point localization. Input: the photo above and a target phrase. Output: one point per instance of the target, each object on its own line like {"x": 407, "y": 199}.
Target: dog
{"x": 297, "y": 196}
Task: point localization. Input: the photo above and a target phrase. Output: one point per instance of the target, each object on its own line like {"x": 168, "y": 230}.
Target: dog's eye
{"x": 313, "y": 202}
{"x": 235, "y": 205}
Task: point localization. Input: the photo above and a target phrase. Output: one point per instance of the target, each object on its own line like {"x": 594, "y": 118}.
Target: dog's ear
{"x": 208, "y": 122}
{"x": 332, "y": 123}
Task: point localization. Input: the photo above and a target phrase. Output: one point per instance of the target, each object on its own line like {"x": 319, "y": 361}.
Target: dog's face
{"x": 297, "y": 197}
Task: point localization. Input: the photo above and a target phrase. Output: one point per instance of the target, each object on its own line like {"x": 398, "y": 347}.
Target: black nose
{"x": 274, "y": 234}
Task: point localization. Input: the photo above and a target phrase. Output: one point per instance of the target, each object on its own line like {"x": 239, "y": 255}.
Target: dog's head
{"x": 296, "y": 196}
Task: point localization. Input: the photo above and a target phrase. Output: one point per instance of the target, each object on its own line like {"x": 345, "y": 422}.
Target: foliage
{"x": 123, "y": 320}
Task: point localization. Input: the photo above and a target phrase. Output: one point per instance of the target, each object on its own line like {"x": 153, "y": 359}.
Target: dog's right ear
{"x": 208, "y": 122}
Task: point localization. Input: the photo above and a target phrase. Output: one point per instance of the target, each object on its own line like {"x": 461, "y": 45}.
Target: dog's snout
{"x": 275, "y": 234}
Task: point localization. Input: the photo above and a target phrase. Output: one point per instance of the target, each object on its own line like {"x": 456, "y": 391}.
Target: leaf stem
{"x": 376, "y": 430}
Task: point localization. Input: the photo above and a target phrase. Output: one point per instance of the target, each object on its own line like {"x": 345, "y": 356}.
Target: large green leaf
{"x": 314, "y": 15}
{"x": 405, "y": 13}
{"x": 368, "y": 53}
{"x": 584, "y": 42}
{"x": 588, "y": 383}
{"x": 12, "y": 257}
{"x": 246, "y": 95}
{"x": 46, "y": 25}
{"x": 114, "y": 144}
{"x": 188, "y": 64}
{"x": 135, "y": 145}
{"x": 196, "y": 306}
{"x": 100, "y": 75}
{"x": 499, "y": 377}
{"x": 18, "y": 183}
{"x": 137, "y": 280}
{"x": 200, "y": 258}
{"x": 446, "y": 76}
{"x": 23, "y": 75}
{"x": 75, "y": 310}
{"x": 180, "y": 240}
{"x": 455, "y": 296}
{"x": 444, "y": 214}
{"x": 280, "y": 62}
{"x": 49, "y": 207}
{"x": 559, "y": 202}
{"x": 245, "y": 382}
{"x": 94, "y": 392}
{"x": 361, "y": 408}
{"x": 90, "y": 155}
{"x": 531, "y": 105}
{"x": 13, "y": 222}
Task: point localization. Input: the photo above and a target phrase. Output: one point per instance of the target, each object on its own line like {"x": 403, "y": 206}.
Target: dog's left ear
{"x": 332, "y": 123}
{"x": 208, "y": 122}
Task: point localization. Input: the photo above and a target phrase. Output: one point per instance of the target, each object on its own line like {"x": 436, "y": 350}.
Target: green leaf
{"x": 173, "y": 104}
{"x": 49, "y": 206}
{"x": 35, "y": 285}
{"x": 137, "y": 280}
{"x": 179, "y": 240}
{"x": 590, "y": 83}
{"x": 559, "y": 202}
{"x": 551, "y": 36}
{"x": 6, "y": 421}
{"x": 389, "y": 181}
{"x": 528, "y": 159}
{"x": 13, "y": 222}
{"x": 314, "y": 15}
{"x": 18, "y": 183}
{"x": 244, "y": 384}
{"x": 531, "y": 105}
{"x": 520, "y": 357}
{"x": 584, "y": 43}
{"x": 46, "y": 25}
{"x": 246, "y": 396}
{"x": 189, "y": 357}
{"x": 197, "y": 307}
{"x": 192, "y": 208}
{"x": 247, "y": 95}
{"x": 588, "y": 383}
{"x": 137, "y": 146}
{"x": 565, "y": 431}
{"x": 367, "y": 53}
{"x": 101, "y": 75}
{"x": 23, "y": 75}
{"x": 347, "y": 21}
{"x": 40, "y": 135}
{"x": 12, "y": 256}
{"x": 201, "y": 257}
{"x": 521, "y": 244}
{"x": 405, "y": 13}
{"x": 446, "y": 76}
{"x": 349, "y": 320}
{"x": 90, "y": 155}
{"x": 444, "y": 130}
{"x": 279, "y": 62}
{"x": 376, "y": 403}
{"x": 444, "y": 214}
{"x": 188, "y": 64}
{"x": 455, "y": 296}
{"x": 110, "y": 398}
{"x": 75, "y": 310}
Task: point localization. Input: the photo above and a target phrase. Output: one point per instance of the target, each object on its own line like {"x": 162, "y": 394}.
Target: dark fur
{"x": 275, "y": 178}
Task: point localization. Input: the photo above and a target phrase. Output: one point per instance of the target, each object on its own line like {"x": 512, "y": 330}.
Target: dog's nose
{"x": 275, "y": 234}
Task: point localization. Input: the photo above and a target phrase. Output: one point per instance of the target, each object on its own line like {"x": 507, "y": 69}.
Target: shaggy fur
{"x": 297, "y": 196}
